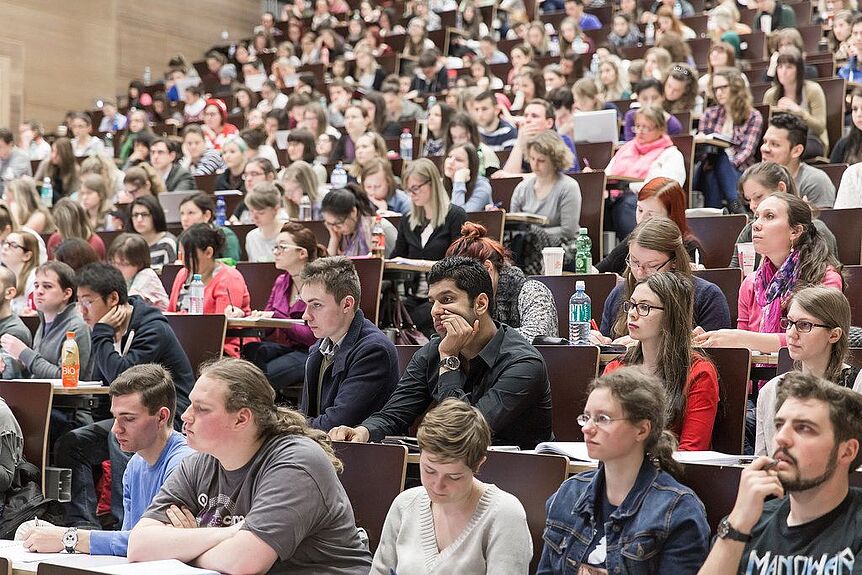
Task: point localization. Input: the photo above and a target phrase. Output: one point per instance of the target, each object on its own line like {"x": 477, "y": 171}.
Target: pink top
{"x": 750, "y": 313}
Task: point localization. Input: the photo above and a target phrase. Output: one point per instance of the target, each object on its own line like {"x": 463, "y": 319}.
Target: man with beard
{"x": 816, "y": 528}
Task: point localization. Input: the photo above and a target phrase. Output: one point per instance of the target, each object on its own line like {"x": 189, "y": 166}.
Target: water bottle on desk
{"x": 221, "y": 211}
{"x": 47, "y": 192}
{"x": 339, "y": 177}
{"x": 406, "y": 145}
{"x": 305, "y": 208}
{"x": 649, "y": 34}
{"x": 109, "y": 145}
{"x": 580, "y": 314}
{"x": 378, "y": 238}
{"x": 196, "y": 295}
{"x": 583, "y": 253}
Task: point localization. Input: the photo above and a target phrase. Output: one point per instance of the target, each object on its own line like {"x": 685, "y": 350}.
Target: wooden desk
{"x": 521, "y": 218}
{"x": 261, "y": 322}
{"x": 103, "y": 390}
{"x": 704, "y": 140}
{"x": 620, "y": 178}
{"x": 407, "y": 266}
{"x": 574, "y": 466}
{"x": 757, "y": 358}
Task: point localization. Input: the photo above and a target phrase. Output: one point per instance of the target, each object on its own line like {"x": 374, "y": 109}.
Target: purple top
{"x": 674, "y": 126}
{"x": 279, "y": 304}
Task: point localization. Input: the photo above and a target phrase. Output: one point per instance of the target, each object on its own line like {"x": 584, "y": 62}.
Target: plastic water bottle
{"x": 677, "y": 9}
{"x": 305, "y": 208}
{"x": 221, "y": 211}
{"x": 339, "y": 177}
{"x": 594, "y": 65}
{"x": 378, "y": 238}
{"x": 47, "y": 192}
{"x": 70, "y": 364}
{"x": 406, "y": 145}
{"x": 432, "y": 101}
{"x": 109, "y": 145}
{"x": 583, "y": 253}
{"x": 649, "y": 34}
{"x": 580, "y": 314}
{"x": 196, "y": 295}
{"x": 148, "y": 76}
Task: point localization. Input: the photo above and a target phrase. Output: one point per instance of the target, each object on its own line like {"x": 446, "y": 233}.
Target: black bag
{"x": 24, "y": 501}
{"x": 395, "y": 318}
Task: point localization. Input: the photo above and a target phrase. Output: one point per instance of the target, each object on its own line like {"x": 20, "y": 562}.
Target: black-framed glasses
{"x": 633, "y": 263}
{"x": 801, "y": 325}
{"x": 278, "y": 248}
{"x": 418, "y": 188}
{"x": 642, "y": 308}
{"x": 722, "y": 87}
{"x": 13, "y": 245}
{"x": 600, "y": 420}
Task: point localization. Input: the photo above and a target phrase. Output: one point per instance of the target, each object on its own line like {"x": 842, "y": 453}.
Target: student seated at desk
{"x": 651, "y": 153}
{"x": 130, "y": 254}
{"x": 264, "y": 203}
{"x": 283, "y": 356}
{"x": 656, "y": 245}
{"x": 635, "y": 490}
{"x": 813, "y": 519}
{"x": 350, "y": 218}
{"x": 352, "y": 370}
{"x": 659, "y": 320}
{"x": 795, "y": 255}
{"x": 200, "y": 209}
{"x": 524, "y": 304}
{"x": 454, "y": 523}
{"x": 20, "y": 253}
{"x": 462, "y": 180}
{"x": 225, "y": 290}
{"x": 148, "y": 220}
{"x": 126, "y": 331}
{"x": 10, "y": 323}
{"x": 817, "y": 325}
{"x": 143, "y": 402}
{"x": 473, "y": 358}
{"x": 54, "y": 293}
{"x": 262, "y": 495}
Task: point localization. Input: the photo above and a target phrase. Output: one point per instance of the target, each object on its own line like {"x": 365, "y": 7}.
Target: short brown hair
{"x": 133, "y": 248}
{"x": 338, "y": 276}
{"x": 455, "y": 431}
{"x": 153, "y": 382}
{"x": 845, "y": 405}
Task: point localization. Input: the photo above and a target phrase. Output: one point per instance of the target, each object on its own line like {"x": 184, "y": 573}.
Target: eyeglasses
{"x": 722, "y": 87}
{"x": 418, "y": 188}
{"x": 87, "y": 304}
{"x": 278, "y": 248}
{"x": 140, "y": 215}
{"x": 642, "y": 308}
{"x": 600, "y": 420}
{"x": 633, "y": 263}
{"x": 802, "y": 326}
{"x": 640, "y": 129}
{"x": 248, "y": 175}
{"x": 9, "y": 244}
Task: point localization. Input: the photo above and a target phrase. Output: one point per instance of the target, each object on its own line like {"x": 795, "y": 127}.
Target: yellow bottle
{"x": 70, "y": 363}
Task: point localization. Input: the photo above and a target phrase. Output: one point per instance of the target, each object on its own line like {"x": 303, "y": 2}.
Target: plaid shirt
{"x": 747, "y": 134}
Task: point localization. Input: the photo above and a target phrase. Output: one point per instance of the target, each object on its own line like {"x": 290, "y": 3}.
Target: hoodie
{"x": 149, "y": 339}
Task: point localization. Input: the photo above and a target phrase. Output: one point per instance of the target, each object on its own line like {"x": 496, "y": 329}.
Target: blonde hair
{"x": 455, "y": 431}
{"x": 264, "y": 195}
{"x": 551, "y": 145}
{"x": 655, "y": 115}
{"x": 616, "y": 90}
{"x": 96, "y": 183}
{"x": 424, "y": 169}
{"x": 303, "y": 174}
{"x": 27, "y": 202}
{"x": 71, "y": 220}
{"x": 247, "y": 387}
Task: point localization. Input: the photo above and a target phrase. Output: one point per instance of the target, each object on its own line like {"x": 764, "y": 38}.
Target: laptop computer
{"x": 598, "y": 126}
{"x": 171, "y": 201}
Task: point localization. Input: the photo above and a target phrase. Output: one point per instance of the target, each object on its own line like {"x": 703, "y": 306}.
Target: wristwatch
{"x": 726, "y": 531}
{"x": 70, "y": 539}
{"x": 451, "y": 362}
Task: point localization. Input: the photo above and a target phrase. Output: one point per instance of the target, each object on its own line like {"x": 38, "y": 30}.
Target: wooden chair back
{"x": 30, "y": 402}
{"x": 259, "y": 277}
{"x": 373, "y": 477}
{"x": 734, "y": 368}
{"x": 169, "y": 275}
{"x": 598, "y": 154}
{"x": 592, "y": 186}
{"x": 405, "y": 354}
{"x": 853, "y": 279}
{"x": 241, "y": 231}
{"x": 370, "y": 271}
{"x": 844, "y": 224}
{"x": 717, "y": 235}
{"x": 32, "y": 323}
{"x": 598, "y": 287}
{"x": 318, "y": 228}
{"x": 493, "y": 221}
{"x": 569, "y": 386}
{"x": 206, "y": 183}
{"x": 201, "y": 336}
{"x": 532, "y": 479}
{"x": 834, "y": 90}
{"x": 716, "y": 486}
{"x": 502, "y": 190}
{"x": 728, "y": 281}
{"x": 108, "y": 237}
{"x": 834, "y": 171}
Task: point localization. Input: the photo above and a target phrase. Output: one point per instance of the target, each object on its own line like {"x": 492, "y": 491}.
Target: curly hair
{"x": 551, "y": 145}
{"x": 740, "y": 99}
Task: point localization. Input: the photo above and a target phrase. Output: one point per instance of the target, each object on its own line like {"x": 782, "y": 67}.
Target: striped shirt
{"x": 504, "y": 137}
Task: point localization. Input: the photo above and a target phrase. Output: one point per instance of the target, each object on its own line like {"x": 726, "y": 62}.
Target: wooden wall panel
{"x": 71, "y": 53}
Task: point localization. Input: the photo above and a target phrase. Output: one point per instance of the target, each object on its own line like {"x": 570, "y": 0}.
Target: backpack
{"x": 24, "y": 501}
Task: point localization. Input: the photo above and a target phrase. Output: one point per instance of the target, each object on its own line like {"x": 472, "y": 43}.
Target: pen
{"x": 229, "y": 299}
{"x": 36, "y": 519}
{"x": 594, "y": 325}
{"x": 696, "y": 257}
{"x": 587, "y": 162}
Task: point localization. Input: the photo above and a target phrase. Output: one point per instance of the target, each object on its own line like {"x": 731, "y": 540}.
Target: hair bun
{"x": 473, "y": 231}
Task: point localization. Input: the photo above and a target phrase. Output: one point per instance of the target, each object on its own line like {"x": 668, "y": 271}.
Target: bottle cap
{"x": 70, "y": 335}
{"x": 584, "y": 231}
{"x": 580, "y": 286}
{"x": 196, "y": 277}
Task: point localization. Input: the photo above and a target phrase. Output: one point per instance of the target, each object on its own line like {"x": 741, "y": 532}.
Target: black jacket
{"x": 149, "y": 339}
{"x": 409, "y": 243}
{"x": 180, "y": 180}
{"x": 360, "y": 380}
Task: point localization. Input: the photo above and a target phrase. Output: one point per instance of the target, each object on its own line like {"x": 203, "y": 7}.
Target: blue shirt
{"x": 480, "y": 197}
{"x": 590, "y": 22}
{"x": 141, "y": 483}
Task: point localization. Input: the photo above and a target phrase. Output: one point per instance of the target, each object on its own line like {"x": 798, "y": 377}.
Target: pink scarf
{"x": 634, "y": 159}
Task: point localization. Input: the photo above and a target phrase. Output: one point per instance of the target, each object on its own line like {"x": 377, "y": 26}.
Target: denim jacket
{"x": 659, "y": 528}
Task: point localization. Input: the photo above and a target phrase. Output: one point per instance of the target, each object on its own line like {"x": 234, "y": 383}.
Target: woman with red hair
{"x": 524, "y": 304}
{"x": 658, "y": 197}
{"x": 216, "y": 128}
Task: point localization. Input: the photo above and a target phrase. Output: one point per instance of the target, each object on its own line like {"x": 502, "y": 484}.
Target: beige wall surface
{"x": 68, "y": 53}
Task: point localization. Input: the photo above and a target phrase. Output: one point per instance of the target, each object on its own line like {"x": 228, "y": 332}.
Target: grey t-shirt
{"x": 14, "y": 326}
{"x": 816, "y": 186}
{"x": 289, "y": 496}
